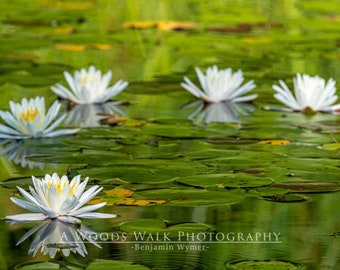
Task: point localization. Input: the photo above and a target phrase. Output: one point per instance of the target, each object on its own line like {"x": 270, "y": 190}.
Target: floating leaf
{"x": 242, "y": 28}
{"x": 331, "y": 146}
{"x": 155, "y": 226}
{"x": 101, "y": 47}
{"x": 119, "y": 192}
{"x": 226, "y": 180}
{"x": 70, "y": 47}
{"x": 264, "y": 265}
{"x": 308, "y": 186}
{"x": 141, "y": 170}
{"x": 192, "y": 197}
{"x": 114, "y": 264}
{"x": 61, "y": 30}
{"x": 122, "y": 196}
{"x": 275, "y": 142}
{"x": 285, "y": 198}
{"x": 261, "y": 192}
{"x": 163, "y": 25}
{"x": 172, "y": 25}
{"x": 46, "y": 266}
{"x": 131, "y": 201}
{"x": 140, "y": 25}
{"x": 251, "y": 40}
{"x": 327, "y": 126}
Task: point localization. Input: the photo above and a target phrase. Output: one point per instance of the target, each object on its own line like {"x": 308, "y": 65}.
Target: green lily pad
{"x": 87, "y": 156}
{"x": 192, "y": 197}
{"x": 237, "y": 180}
{"x": 46, "y": 266}
{"x": 264, "y": 265}
{"x": 308, "y": 186}
{"x": 144, "y": 227}
{"x": 143, "y": 171}
{"x": 266, "y": 191}
{"x": 331, "y": 146}
{"x": 110, "y": 264}
{"x": 322, "y": 126}
{"x": 285, "y": 198}
{"x": 119, "y": 132}
{"x": 187, "y": 131}
{"x": 211, "y": 154}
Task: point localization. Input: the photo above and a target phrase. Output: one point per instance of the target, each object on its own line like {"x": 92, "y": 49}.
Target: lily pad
{"x": 187, "y": 131}
{"x": 328, "y": 127}
{"x": 143, "y": 171}
{"x": 193, "y": 197}
{"x": 46, "y": 266}
{"x": 308, "y": 186}
{"x": 110, "y": 264}
{"x": 145, "y": 227}
{"x": 331, "y": 146}
{"x": 87, "y": 156}
{"x": 264, "y": 265}
{"x": 237, "y": 180}
{"x": 266, "y": 191}
{"x": 285, "y": 198}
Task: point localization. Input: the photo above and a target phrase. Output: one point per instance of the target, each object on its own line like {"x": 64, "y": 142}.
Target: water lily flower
{"x": 29, "y": 120}
{"x": 89, "y": 86}
{"x": 310, "y": 92}
{"x": 220, "y": 85}
{"x": 57, "y": 198}
{"x": 54, "y": 236}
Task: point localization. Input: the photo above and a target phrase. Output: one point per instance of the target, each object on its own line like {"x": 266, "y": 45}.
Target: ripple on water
{"x": 172, "y": 258}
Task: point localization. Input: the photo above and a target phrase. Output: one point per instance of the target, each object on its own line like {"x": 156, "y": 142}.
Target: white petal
{"x": 86, "y": 209}
{"x": 69, "y": 219}
{"x": 27, "y": 217}
{"x": 96, "y": 215}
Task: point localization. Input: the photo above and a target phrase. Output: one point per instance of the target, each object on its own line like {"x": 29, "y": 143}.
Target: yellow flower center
{"x": 59, "y": 185}
{"x": 29, "y": 115}
{"x": 86, "y": 80}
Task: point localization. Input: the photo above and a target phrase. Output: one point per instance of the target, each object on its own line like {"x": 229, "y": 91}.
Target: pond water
{"x": 257, "y": 190}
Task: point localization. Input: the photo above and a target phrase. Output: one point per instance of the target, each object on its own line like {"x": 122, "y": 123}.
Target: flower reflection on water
{"x": 220, "y": 112}
{"x": 90, "y": 115}
{"x": 19, "y": 153}
{"x": 55, "y": 236}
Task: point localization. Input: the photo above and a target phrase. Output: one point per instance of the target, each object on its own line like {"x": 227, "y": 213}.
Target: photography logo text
{"x": 181, "y": 240}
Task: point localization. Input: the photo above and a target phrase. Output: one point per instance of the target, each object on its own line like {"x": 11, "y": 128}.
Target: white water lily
{"x": 309, "y": 92}
{"x": 89, "y": 86}
{"x": 29, "y": 119}
{"x": 220, "y": 85}
{"x": 57, "y": 197}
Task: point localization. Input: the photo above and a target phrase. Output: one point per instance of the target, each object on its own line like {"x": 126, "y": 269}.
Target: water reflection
{"x": 19, "y": 153}
{"x": 90, "y": 115}
{"x": 221, "y": 112}
{"x": 55, "y": 236}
